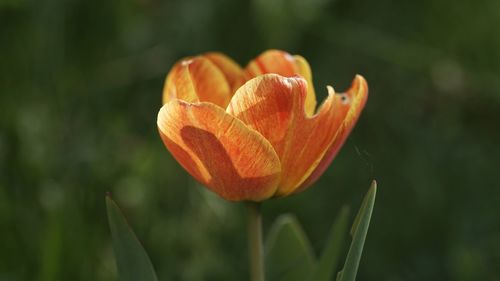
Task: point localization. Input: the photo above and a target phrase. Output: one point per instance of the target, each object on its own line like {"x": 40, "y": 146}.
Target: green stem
{"x": 255, "y": 242}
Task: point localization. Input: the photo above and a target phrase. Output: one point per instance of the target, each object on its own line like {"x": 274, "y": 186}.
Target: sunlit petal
{"x": 197, "y": 79}
{"x": 219, "y": 150}
{"x": 275, "y": 106}
{"x": 284, "y": 64}
{"x": 353, "y": 102}
{"x": 233, "y": 72}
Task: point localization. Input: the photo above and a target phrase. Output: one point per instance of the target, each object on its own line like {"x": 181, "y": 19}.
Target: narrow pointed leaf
{"x": 339, "y": 276}
{"x": 288, "y": 253}
{"x": 330, "y": 257}
{"x": 360, "y": 213}
{"x": 131, "y": 259}
{"x": 359, "y": 231}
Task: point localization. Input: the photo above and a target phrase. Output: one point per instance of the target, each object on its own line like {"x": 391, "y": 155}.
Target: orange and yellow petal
{"x": 233, "y": 72}
{"x": 220, "y": 151}
{"x": 197, "y": 79}
{"x": 284, "y": 64}
{"x": 178, "y": 84}
{"x": 353, "y": 102}
{"x": 275, "y": 106}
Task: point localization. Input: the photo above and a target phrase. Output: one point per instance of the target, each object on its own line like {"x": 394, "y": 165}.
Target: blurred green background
{"x": 80, "y": 88}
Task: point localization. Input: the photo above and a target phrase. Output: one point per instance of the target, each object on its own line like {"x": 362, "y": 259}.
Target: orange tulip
{"x": 254, "y": 133}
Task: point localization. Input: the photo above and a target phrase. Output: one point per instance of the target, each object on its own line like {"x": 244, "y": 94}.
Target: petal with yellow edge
{"x": 284, "y": 64}
{"x": 233, "y": 72}
{"x": 197, "y": 79}
{"x": 275, "y": 106}
{"x": 220, "y": 151}
{"x": 353, "y": 102}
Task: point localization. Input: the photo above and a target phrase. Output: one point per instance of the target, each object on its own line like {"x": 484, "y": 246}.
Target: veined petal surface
{"x": 233, "y": 72}
{"x": 220, "y": 151}
{"x": 353, "y": 102}
{"x": 284, "y": 64}
{"x": 197, "y": 79}
{"x": 275, "y": 106}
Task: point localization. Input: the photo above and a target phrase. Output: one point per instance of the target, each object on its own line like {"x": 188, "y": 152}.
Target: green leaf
{"x": 131, "y": 259}
{"x": 288, "y": 253}
{"x": 330, "y": 257}
{"x": 358, "y": 231}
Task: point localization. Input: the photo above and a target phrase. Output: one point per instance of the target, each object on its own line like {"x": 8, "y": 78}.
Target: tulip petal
{"x": 273, "y": 61}
{"x": 284, "y": 64}
{"x": 220, "y": 151}
{"x": 304, "y": 70}
{"x": 178, "y": 84}
{"x": 233, "y": 72}
{"x": 197, "y": 79}
{"x": 354, "y": 100}
{"x": 274, "y": 106}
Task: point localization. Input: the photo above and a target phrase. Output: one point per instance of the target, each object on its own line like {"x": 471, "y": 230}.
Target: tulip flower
{"x": 254, "y": 133}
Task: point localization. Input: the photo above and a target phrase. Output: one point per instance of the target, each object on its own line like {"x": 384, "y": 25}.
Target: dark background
{"x": 80, "y": 88}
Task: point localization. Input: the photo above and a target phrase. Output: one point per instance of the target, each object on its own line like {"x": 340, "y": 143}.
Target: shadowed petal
{"x": 284, "y": 64}
{"x": 354, "y": 101}
{"x": 197, "y": 79}
{"x": 219, "y": 150}
{"x": 274, "y": 106}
